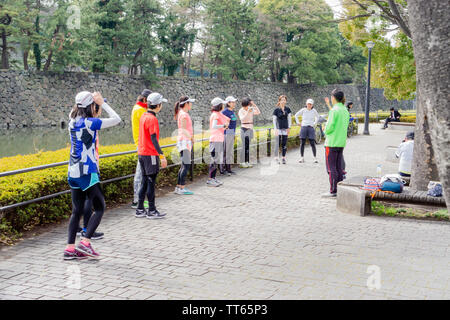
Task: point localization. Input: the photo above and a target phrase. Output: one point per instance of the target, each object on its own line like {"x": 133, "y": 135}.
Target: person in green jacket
{"x": 336, "y": 139}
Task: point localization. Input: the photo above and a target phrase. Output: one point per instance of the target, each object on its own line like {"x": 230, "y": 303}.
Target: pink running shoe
{"x": 74, "y": 255}
{"x": 87, "y": 250}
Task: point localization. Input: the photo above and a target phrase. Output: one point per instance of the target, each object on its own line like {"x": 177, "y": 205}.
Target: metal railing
{"x": 59, "y": 164}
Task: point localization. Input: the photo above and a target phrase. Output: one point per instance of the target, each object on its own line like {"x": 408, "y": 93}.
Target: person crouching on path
{"x": 184, "y": 142}
{"x": 246, "y": 114}
{"x": 150, "y": 154}
{"x": 336, "y": 139}
{"x": 310, "y": 116}
{"x": 218, "y": 123}
{"x": 230, "y": 133}
{"x": 282, "y": 121}
{"x": 83, "y": 169}
{"x": 138, "y": 110}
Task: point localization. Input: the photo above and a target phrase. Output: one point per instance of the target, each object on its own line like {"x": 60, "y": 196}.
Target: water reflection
{"x": 32, "y": 140}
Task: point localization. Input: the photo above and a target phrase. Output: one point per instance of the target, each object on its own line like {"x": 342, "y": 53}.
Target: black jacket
{"x": 396, "y": 116}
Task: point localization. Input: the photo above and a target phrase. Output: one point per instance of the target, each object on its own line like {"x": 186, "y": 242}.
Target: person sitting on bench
{"x": 405, "y": 153}
{"x": 394, "y": 117}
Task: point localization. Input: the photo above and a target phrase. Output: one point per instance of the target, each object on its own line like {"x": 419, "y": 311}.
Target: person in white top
{"x": 309, "y": 120}
{"x": 246, "y": 113}
{"x": 405, "y": 152}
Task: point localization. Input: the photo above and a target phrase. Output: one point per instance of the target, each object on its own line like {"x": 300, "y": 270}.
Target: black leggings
{"x": 185, "y": 166}
{"x": 95, "y": 195}
{"x": 147, "y": 188}
{"x": 312, "y": 142}
{"x": 282, "y": 140}
{"x": 87, "y": 212}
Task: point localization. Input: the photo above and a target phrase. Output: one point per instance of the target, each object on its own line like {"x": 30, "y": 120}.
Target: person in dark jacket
{"x": 394, "y": 117}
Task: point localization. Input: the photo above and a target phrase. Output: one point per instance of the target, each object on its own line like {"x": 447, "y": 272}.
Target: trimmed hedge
{"x": 31, "y": 185}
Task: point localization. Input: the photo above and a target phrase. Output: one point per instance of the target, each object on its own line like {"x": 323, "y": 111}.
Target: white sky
{"x": 335, "y": 5}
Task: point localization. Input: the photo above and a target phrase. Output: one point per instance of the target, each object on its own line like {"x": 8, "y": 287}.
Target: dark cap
{"x": 410, "y": 135}
{"x": 146, "y": 93}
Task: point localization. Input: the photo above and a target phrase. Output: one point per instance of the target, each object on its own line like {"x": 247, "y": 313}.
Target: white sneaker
{"x": 176, "y": 191}
{"x": 315, "y": 160}
{"x": 212, "y": 183}
{"x": 219, "y": 182}
{"x": 249, "y": 165}
{"x": 244, "y": 165}
{"x": 301, "y": 160}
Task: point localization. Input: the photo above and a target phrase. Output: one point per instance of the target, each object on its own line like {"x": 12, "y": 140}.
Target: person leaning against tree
{"x": 336, "y": 139}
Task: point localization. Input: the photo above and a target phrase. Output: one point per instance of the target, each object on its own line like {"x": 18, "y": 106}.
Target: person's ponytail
{"x": 180, "y": 105}
{"x": 177, "y": 109}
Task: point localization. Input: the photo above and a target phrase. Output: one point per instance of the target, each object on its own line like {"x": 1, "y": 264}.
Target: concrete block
{"x": 352, "y": 200}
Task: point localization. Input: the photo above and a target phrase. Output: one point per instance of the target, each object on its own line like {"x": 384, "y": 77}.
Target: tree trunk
{"x": 50, "y": 53}
{"x": 25, "y": 59}
{"x": 5, "y": 58}
{"x": 430, "y": 27}
{"x": 424, "y": 167}
{"x": 188, "y": 67}
{"x": 202, "y": 64}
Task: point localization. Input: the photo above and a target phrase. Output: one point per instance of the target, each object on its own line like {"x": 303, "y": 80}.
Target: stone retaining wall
{"x": 45, "y": 99}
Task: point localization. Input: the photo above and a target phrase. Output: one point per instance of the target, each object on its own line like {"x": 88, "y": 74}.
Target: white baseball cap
{"x": 84, "y": 99}
{"x": 216, "y": 101}
{"x": 310, "y": 101}
{"x": 155, "y": 98}
{"x": 188, "y": 100}
{"x": 230, "y": 99}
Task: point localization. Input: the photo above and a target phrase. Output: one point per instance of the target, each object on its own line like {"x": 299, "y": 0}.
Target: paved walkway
{"x": 260, "y": 236}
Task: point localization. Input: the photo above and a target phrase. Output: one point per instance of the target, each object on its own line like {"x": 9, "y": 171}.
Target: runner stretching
{"x": 184, "y": 142}
{"x": 217, "y": 125}
{"x": 309, "y": 120}
{"x": 282, "y": 121}
{"x": 150, "y": 154}
{"x": 83, "y": 170}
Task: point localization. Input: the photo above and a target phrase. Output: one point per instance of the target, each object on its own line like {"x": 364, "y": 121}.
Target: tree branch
{"x": 401, "y": 22}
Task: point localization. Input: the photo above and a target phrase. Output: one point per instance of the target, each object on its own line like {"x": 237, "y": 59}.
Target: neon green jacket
{"x": 337, "y": 125}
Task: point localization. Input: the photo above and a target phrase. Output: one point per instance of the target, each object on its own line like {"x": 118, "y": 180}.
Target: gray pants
{"x": 137, "y": 181}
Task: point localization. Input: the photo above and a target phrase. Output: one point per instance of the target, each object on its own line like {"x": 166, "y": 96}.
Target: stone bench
{"x": 354, "y": 200}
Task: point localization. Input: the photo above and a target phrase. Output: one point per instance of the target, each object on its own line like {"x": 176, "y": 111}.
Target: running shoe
{"x": 231, "y": 173}
{"x": 140, "y": 213}
{"x": 329, "y": 195}
{"x": 155, "y": 215}
{"x": 219, "y": 182}
{"x": 95, "y": 236}
{"x": 87, "y": 250}
{"x": 134, "y": 205}
{"x": 243, "y": 165}
{"x": 315, "y": 160}
{"x": 74, "y": 255}
{"x": 284, "y": 161}
{"x": 185, "y": 191}
{"x": 212, "y": 183}
{"x": 249, "y": 165}
{"x": 301, "y": 160}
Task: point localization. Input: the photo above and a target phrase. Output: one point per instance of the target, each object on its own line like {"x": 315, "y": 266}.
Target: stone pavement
{"x": 260, "y": 236}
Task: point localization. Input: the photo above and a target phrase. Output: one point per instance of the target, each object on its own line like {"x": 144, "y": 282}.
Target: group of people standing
{"x": 83, "y": 174}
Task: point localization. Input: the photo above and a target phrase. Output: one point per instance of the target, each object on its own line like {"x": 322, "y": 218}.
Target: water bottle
{"x": 379, "y": 171}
